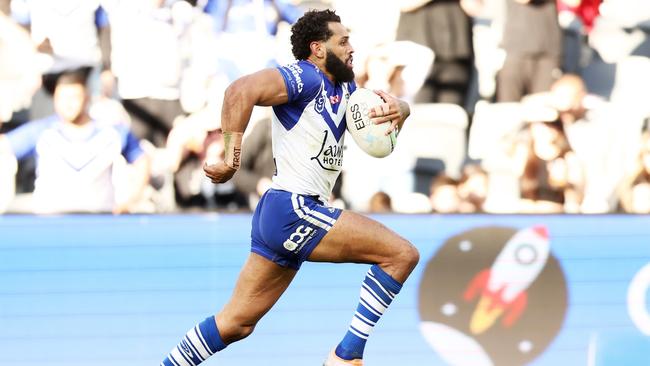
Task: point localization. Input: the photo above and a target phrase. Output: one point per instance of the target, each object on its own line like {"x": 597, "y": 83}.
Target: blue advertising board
{"x": 489, "y": 290}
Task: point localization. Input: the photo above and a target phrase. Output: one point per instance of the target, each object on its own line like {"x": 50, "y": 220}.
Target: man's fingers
{"x": 206, "y": 168}
{"x": 384, "y": 119}
{"x": 377, "y": 111}
{"x": 392, "y": 127}
{"x": 218, "y": 173}
{"x": 385, "y": 96}
{"x": 380, "y": 110}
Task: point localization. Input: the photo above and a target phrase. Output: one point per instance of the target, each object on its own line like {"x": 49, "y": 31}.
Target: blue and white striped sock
{"x": 199, "y": 343}
{"x": 377, "y": 292}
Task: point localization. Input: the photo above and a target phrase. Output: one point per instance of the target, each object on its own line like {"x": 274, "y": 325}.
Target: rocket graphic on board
{"x": 501, "y": 289}
{"x": 492, "y": 296}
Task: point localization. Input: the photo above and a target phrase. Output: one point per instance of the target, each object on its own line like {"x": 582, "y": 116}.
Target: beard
{"x": 341, "y": 72}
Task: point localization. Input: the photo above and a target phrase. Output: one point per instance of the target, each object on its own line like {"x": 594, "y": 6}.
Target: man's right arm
{"x": 263, "y": 88}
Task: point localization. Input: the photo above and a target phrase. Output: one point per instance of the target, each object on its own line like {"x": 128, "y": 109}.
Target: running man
{"x": 292, "y": 222}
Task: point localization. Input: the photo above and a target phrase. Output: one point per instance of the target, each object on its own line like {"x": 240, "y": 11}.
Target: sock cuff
{"x": 211, "y": 334}
{"x": 385, "y": 279}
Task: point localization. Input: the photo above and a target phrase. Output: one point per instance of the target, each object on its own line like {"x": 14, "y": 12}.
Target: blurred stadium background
{"x": 474, "y": 166}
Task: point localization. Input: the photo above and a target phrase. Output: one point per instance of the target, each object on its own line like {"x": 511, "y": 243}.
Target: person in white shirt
{"x": 76, "y": 155}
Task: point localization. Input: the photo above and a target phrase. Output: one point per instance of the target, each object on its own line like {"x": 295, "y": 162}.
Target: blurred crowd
{"x": 518, "y": 106}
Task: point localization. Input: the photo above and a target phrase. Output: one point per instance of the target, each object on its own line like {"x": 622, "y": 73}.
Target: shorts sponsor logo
{"x": 298, "y": 238}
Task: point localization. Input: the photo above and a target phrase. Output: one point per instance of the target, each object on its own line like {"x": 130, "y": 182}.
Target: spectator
{"x": 397, "y": 67}
{"x": 445, "y": 28}
{"x": 380, "y": 202}
{"x": 599, "y": 133}
{"x": 551, "y": 179}
{"x": 67, "y": 35}
{"x": 444, "y": 196}
{"x": 19, "y": 74}
{"x": 576, "y": 18}
{"x": 634, "y": 192}
{"x": 584, "y": 11}
{"x": 76, "y": 155}
{"x": 532, "y": 40}
{"x": 146, "y": 62}
{"x": 472, "y": 188}
{"x": 247, "y": 29}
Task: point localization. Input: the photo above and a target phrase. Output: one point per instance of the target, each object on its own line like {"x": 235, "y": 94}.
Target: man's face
{"x": 338, "y": 60}
{"x": 70, "y": 101}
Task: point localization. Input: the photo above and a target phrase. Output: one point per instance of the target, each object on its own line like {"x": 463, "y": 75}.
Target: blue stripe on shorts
{"x": 287, "y": 226}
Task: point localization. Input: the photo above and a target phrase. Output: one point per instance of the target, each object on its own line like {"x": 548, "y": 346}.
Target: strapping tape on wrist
{"x": 232, "y": 145}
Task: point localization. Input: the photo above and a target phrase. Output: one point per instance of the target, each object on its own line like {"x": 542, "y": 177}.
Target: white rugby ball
{"x": 370, "y": 137}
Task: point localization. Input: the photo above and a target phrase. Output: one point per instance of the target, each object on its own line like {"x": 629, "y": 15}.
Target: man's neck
{"x": 321, "y": 67}
{"x": 80, "y": 121}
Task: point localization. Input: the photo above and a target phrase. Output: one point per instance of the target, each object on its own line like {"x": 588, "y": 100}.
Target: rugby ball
{"x": 370, "y": 137}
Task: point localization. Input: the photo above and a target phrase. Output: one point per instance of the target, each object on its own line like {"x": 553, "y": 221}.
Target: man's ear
{"x": 317, "y": 49}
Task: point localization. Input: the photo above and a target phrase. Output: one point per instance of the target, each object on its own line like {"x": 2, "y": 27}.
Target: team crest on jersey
{"x": 334, "y": 99}
{"x": 330, "y": 157}
{"x": 320, "y": 104}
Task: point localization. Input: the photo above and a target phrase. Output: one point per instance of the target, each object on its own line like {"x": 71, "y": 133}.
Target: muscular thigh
{"x": 358, "y": 239}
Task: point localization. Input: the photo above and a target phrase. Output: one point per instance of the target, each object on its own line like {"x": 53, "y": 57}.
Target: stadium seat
{"x": 492, "y": 123}
{"x": 436, "y": 131}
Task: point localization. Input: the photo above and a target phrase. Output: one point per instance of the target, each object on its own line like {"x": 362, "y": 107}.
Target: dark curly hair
{"x": 309, "y": 28}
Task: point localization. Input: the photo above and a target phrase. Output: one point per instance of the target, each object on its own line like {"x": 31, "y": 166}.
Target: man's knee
{"x": 410, "y": 255}
{"x": 406, "y": 256}
{"x": 232, "y": 330}
{"x": 244, "y": 330}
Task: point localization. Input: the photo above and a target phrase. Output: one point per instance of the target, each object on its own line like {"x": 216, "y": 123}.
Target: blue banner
{"x": 489, "y": 290}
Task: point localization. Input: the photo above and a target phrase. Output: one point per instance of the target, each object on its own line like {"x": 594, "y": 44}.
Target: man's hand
{"x": 222, "y": 171}
{"x": 219, "y": 172}
{"x": 394, "y": 111}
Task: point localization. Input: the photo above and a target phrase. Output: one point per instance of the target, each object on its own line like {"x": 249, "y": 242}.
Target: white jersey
{"x": 308, "y": 131}
{"x": 74, "y": 165}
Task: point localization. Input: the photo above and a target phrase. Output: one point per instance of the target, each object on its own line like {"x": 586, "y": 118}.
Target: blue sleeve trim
{"x": 293, "y": 83}
{"x": 101, "y": 17}
{"x": 23, "y": 139}
{"x": 131, "y": 149}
